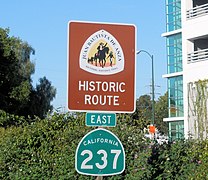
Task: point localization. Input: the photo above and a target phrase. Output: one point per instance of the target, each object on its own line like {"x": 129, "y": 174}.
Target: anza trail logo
{"x": 102, "y": 54}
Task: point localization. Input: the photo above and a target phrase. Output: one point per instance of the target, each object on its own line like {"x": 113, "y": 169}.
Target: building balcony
{"x": 197, "y": 11}
{"x": 196, "y": 56}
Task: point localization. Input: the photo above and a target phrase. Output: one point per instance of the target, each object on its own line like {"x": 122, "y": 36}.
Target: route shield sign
{"x": 100, "y": 153}
{"x": 101, "y": 67}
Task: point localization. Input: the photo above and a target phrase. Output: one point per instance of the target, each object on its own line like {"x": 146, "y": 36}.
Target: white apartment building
{"x": 187, "y": 68}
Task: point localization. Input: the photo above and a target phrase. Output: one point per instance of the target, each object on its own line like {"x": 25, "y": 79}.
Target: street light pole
{"x": 153, "y": 85}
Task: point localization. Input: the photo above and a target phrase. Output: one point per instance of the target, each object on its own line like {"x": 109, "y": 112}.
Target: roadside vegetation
{"x": 45, "y": 149}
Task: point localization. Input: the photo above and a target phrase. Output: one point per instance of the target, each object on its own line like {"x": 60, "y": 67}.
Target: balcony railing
{"x": 197, "y": 11}
{"x": 196, "y": 56}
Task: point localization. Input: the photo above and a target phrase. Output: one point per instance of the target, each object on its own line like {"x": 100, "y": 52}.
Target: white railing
{"x": 196, "y": 56}
{"x": 197, "y": 11}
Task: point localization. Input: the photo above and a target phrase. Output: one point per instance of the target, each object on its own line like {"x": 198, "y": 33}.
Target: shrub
{"x": 7, "y": 120}
{"x": 45, "y": 149}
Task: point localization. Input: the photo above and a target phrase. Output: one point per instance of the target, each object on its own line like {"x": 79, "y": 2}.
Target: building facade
{"x": 187, "y": 67}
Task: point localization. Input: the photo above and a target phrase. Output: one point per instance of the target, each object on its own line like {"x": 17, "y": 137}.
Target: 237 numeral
{"x": 104, "y": 154}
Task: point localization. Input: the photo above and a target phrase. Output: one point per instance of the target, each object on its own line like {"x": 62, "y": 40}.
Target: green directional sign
{"x": 100, "y": 153}
{"x": 100, "y": 119}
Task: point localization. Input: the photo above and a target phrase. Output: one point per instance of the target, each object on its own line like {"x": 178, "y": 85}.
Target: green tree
{"x": 15, "y": 72}
{"x": 142, "y": 115}
{"x": 17, "y": 95}
{"x": 41, "y": 98}
{"x": 161, "y": 111}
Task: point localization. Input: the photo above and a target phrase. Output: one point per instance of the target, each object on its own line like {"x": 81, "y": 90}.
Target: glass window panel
{"x": 173, "y": 15}
{"x": 176, "y": 130}
{"x": 174, "y": 53}
{"x": 175, "y": 96}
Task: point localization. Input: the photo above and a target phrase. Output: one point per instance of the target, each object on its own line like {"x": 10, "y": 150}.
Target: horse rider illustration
{"x": 101, "y": 47}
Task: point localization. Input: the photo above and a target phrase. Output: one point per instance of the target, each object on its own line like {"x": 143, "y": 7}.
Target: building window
{"x": 173, "y": 11}
{"x": 199, "y": 8}
{"x": 175, "y": 96}
{"x": 176, "y": 130}
{"x": 174, "y": 53}
{"x": 198, "y": 50}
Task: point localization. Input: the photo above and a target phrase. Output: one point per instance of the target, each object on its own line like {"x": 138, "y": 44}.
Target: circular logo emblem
{"x": 101, "y": 54}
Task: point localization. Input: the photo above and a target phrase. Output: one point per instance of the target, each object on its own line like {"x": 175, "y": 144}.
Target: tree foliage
{"x": 143, "y": 113}
{"x": 161, "y": 111}
{"x": 16, "y": 68}
{"x": 15, "y": 72}
{"x": 41, "y": 98}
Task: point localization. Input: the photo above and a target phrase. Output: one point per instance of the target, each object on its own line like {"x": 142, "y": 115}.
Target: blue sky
{"x": 43, "y": 24}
